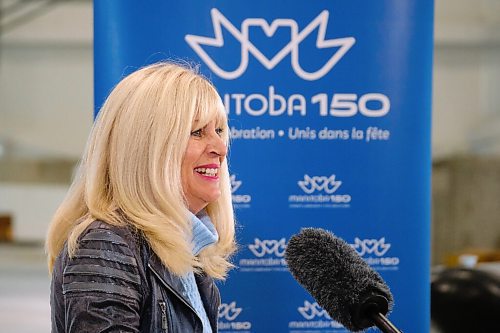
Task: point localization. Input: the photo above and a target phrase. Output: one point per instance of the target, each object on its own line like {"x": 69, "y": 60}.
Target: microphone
{"x": 340, "y": 281}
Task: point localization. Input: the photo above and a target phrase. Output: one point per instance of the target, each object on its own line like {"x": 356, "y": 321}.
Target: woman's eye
{"x": 197, "y": 132}
{"x": 219, "y": 130}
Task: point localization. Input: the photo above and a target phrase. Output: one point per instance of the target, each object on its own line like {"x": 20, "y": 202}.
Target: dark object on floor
{"x": 466, "y": 300}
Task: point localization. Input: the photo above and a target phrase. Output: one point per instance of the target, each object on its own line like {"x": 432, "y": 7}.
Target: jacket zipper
{"x": 163, "y": 308}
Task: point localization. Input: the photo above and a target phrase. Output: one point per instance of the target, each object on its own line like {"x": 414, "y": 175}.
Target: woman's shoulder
{"x": 106, "y": 262}
{"x": 122, "y": 243}
{"x": 116, "y": 234}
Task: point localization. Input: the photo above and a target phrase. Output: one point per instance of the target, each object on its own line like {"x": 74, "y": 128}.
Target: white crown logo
{"x": 262, "y": 247}
{"x": 319, "y": 183}
{"x": 229, "y": 311}
{"x": 367, "y": 246}
{"x": 320, "y": 22}
{"x": 312, "y": 310}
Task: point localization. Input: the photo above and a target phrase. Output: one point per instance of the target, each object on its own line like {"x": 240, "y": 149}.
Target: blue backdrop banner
{"x": 329, "y": 107}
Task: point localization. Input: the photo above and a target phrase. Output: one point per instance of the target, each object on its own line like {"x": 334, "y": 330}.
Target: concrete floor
{"x": 24, "y": 289}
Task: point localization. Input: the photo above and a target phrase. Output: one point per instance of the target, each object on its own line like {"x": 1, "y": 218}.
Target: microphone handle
{"x": 383, "y": 323}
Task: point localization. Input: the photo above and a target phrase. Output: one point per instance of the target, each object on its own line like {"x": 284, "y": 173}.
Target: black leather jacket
{"x": 115, "y": 283}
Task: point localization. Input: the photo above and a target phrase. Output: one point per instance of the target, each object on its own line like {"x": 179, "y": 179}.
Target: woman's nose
{"x": 217, "y": 145}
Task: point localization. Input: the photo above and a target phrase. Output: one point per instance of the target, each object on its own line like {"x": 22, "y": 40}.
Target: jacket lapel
{"x": 210, "y": 297}
{"x": 209, "y": 293}
{"x": 169, "y": 281}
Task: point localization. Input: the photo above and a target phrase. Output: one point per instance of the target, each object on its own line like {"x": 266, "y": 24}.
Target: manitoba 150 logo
{"x": 320, "y": 192}
{"x": 229, "y": 319}
{"x": 284, "y": 43}
{"x": 265, "y": 255}
{"x": 376, "y": 253}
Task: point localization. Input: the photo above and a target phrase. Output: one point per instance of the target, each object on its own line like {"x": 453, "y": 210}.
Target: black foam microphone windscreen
{"x": 338, "y": 278}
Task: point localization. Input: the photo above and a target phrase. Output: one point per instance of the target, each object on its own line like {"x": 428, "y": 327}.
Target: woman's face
{"x": 204, "y": 155}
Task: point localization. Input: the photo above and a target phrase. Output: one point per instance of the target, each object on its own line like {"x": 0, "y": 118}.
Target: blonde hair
{"x": 130, "y": 172}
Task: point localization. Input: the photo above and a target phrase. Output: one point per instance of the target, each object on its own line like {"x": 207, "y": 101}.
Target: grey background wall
{"x": 46, "y": 103}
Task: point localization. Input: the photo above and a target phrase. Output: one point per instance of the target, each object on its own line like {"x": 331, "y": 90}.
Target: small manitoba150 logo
{"x": 239, "y": 200}
{"x": 228, "y": 315}
{"x": 320, "y": 192}
{"x": 314, "y": 319}
{"x": 266, "y": 255}
{"x": 374, "y": 252}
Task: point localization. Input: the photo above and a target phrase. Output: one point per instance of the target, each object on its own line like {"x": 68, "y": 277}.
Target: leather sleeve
{"x": 101, "y": 285}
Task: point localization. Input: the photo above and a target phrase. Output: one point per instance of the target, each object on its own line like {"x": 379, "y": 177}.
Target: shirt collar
{"x": 204, "y": 232}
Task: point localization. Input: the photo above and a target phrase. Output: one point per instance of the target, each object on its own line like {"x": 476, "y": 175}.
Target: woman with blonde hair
{"x": 148, "y": 221}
